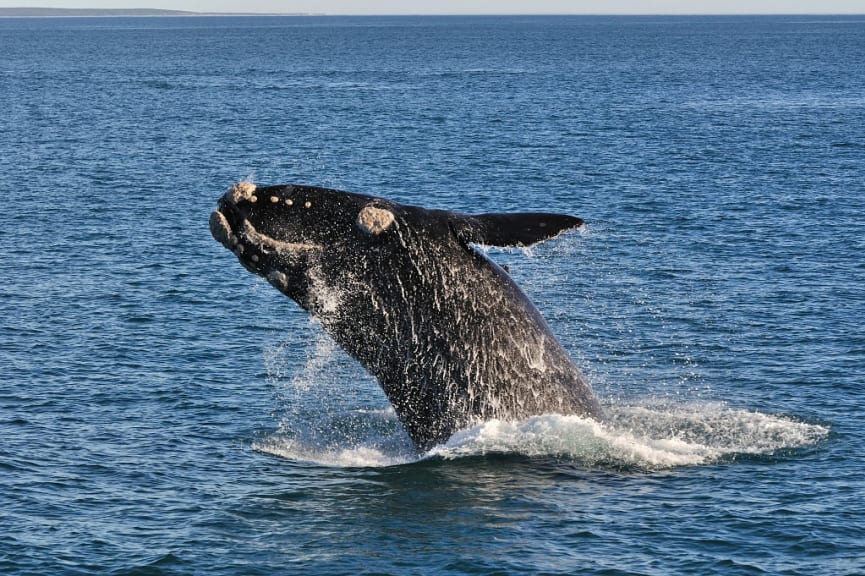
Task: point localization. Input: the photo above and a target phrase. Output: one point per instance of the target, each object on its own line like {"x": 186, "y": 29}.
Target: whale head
{"x": 304, "y": 239}
{"x": 284, "y": 233}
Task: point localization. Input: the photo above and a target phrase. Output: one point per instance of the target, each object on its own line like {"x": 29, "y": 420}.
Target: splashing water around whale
{"x": 643, "y": 435}
{"x": 705, "y": 433}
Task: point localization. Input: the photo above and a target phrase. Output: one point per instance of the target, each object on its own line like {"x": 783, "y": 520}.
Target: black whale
{"x": 450, "y": 337}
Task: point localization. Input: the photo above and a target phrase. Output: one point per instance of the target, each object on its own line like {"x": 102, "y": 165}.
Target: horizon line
{"x": 147, "y": 12}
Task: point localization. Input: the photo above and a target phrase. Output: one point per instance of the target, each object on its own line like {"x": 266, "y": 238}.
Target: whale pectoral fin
{"x": 512, "y": 229}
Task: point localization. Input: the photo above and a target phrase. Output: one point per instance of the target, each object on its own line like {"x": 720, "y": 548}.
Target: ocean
{"x": 162, "y": 411}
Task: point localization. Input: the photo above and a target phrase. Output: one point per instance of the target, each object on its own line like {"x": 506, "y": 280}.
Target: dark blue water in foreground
{"x": 164, "y": 412}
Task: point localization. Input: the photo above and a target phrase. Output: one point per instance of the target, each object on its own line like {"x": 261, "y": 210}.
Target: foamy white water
{"x": 647, "y": 436}
{"x": 642, "y": 436}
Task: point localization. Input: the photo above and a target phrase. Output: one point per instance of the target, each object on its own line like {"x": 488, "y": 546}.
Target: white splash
{"x": 318, "y": 350}
{"x": 642, "y": 437}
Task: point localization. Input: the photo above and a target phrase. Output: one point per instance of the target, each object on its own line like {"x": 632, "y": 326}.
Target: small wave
{"x": 647, "y": 437}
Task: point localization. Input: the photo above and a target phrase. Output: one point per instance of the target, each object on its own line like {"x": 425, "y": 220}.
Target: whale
{"x": 410, "y": 294}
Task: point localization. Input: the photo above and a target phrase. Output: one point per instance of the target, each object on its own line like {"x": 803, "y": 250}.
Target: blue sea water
{"x": 164, "y": 412}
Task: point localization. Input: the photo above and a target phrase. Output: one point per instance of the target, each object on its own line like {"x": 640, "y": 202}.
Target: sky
{"x": 473, "y": 6}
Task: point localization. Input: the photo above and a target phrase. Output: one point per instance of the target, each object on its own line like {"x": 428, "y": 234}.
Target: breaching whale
{"x": 451, "y": 338}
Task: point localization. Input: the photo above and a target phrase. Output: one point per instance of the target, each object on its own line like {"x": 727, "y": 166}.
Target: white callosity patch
{"x": 278, "y": 280}
{"x": 242, "y": 191}
{"x": 220, "y": 229}
{"x": 268, "y": 244}
{"x": 374, "y": 220}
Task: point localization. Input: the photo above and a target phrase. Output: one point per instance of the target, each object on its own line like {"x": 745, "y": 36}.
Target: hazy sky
{"x": 475, "y": 6}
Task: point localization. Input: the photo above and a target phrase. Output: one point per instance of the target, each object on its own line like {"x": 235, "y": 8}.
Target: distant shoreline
{"x": 120, "y": 12}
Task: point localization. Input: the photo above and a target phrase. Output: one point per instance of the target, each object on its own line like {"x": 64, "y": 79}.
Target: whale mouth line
{"x": 267, "y": 244}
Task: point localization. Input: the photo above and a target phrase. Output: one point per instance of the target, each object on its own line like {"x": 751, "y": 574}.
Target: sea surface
{"x": 162, "y": 411}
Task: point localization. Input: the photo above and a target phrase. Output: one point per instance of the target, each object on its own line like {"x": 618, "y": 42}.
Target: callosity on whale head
{"x": 450, "y": 337}
{"x": 282, "y": 232}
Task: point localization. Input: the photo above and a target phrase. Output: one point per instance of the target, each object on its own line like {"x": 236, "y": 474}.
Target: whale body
{"x": 450, "y": 337}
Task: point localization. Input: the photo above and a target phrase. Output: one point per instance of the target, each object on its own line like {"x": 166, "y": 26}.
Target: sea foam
{"x": 646, "y": 436}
